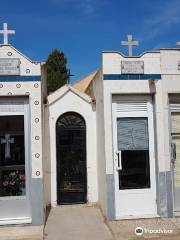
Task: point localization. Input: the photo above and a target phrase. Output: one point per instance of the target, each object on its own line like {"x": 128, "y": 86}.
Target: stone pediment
{"x": 58, "y": 94}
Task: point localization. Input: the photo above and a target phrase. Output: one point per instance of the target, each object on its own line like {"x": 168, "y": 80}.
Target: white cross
{"x": 5, "y": 32}
{"x": 7, "y": 141}
{"x": 178, "y": 43}
{"x": 130, "y": 43}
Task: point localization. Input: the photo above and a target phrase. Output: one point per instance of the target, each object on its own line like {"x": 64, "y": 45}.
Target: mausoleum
{"x": 21, "y": 121}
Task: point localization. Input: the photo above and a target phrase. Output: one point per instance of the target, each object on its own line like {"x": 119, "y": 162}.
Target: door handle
{"x": 173, "y": 152}
{"x": 119, "y": 166}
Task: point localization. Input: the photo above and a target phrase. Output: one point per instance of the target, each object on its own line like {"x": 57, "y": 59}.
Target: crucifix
{"x": 130, "y": 43}
{"x": 7, "y": 141}
{"x": 5, "y": 32}
{"x": 69, "y": 75}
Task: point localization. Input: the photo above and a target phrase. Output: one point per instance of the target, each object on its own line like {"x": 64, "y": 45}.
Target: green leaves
{"x": 57, "y": 72}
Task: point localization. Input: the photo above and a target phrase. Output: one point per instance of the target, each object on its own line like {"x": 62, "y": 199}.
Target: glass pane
{"x": 12, "y": 156}
{"x": 135, "y": 172}
{"x": 176, "y": 140}
{"x": 132, "y": 133}
{"x": 133, "y": 143}
{"x": 175, "y": 123}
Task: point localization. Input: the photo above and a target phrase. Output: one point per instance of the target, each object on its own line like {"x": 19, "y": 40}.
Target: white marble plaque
{"x": 132, "y": 67}
{"x": 9, "y": 66}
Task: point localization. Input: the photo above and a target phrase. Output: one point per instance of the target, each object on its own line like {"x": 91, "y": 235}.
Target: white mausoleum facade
{"x": 112, "y": 138}
{"x": 21, "y": 113}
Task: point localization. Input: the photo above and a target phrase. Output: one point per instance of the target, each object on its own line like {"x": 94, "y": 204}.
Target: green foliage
{"x": 57, "y": 72}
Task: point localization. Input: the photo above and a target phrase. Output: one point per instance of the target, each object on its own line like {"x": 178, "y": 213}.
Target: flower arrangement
{"x": 12, "y": 183}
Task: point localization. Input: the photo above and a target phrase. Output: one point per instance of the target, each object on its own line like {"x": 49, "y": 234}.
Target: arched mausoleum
{"x": 72, "y": 169}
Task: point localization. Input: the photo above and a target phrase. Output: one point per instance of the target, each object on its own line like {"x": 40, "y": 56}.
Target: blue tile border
{"x": 131, "y": 76}
{"x": 20, "y": 78}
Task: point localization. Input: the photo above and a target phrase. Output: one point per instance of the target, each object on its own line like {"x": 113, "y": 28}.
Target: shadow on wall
{"x": 152, "y": 85}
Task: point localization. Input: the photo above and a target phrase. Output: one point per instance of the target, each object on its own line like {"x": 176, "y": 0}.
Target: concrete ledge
{"x": 21, "y": 233}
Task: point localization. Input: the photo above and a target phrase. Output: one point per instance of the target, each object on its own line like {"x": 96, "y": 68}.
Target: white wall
{"x": 71, "y": 102}
{"x": 99, "y": 96}
{"x": 169, "y": 61}
{"x": 46, "y": 157}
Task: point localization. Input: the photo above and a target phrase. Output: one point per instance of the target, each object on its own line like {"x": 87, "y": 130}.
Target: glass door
{"x": 134, "y": 159}
{"x": 14, "y": 168}
{"x": 175, "y": 117}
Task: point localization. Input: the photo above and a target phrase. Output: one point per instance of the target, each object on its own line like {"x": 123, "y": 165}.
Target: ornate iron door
{"x": 71, "y": 159}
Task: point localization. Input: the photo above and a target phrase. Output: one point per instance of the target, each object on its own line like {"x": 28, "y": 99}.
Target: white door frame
{"x": 119, "y": 212}
{"x": 20, "y": 203}
{"x": 174, "y": 108}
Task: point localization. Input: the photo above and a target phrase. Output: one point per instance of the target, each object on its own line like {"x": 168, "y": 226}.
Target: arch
{"x": 70, "y": 119}
{"x": 71, "y": 159}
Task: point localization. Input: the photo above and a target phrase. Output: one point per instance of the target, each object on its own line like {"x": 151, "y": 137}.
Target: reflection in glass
{"x": 133, "y": 143}
{"x": 135, "y": 170}
{"x": 12, "y": 156}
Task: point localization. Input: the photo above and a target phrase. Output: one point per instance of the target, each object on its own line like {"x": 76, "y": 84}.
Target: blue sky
{"x": 82, "y": 29}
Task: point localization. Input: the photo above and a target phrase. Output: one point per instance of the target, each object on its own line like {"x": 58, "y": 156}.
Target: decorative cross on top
{"x": 7, "y": 141}
{"x": 69, "y": 75}
{"x": 5, "y": 32}
{"x": 130, "y": 43}
{"x": 178, "y": 43}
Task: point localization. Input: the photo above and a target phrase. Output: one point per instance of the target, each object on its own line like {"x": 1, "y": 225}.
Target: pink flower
{"x": 5, "y": 183}
{"x": 12, "y": 183}
{"x": 22, "y": 177}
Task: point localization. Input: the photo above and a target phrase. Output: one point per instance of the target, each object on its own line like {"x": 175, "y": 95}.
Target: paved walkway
{"x": 169, "y": 229}
{"x": 87, "y": 223}
{"x": 76, "y": 223}
{"x": 82, "y": 222}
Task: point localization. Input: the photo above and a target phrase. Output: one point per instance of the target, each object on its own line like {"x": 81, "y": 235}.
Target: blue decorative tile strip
{"x": 20, "y": 78}
{"x": 131, "y": 76}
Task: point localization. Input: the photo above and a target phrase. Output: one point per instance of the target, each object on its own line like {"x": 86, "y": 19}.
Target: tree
{"x": 57, "y": 72}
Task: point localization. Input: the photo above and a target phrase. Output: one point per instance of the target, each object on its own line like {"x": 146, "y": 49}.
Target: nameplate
{"x": 132, "y": 67}
{"x": 9, "y": 66}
